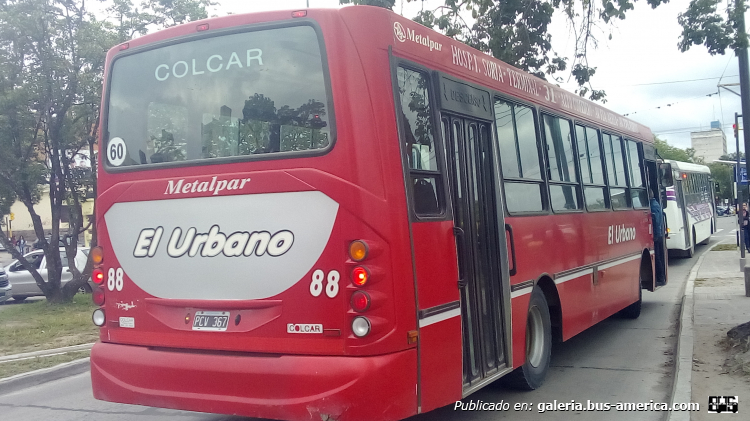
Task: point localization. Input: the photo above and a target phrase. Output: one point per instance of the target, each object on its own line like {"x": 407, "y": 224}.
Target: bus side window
{"x": 592, "y": 168}
{"x": 520, "y": 159}
{"x": 638, "y": 193}
{"x": 618, "y": 191}
{"x": 419, "y": 142}
{"x": 563, "y": 181}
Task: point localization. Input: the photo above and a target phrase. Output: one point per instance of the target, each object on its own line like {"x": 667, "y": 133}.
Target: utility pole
{"x": 745, "y": 96}
{"x": 738, "y": 189}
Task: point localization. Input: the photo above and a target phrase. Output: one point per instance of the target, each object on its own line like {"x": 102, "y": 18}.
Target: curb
{"x": 682, "y": 389}
{"x": 44, "y": 375}
{"x": 45, "y": 352}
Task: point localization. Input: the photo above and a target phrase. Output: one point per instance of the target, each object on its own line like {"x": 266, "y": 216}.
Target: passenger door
{"x": 478, "y": 222}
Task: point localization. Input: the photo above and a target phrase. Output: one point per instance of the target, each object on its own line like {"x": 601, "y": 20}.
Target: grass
{"x": 17, "y": 367}
{"x": 725, "y": 247}
{"x": 39, "y": 325}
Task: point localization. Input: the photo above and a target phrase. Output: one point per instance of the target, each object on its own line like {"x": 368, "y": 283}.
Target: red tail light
{"x": 97, "y": 276}
{"x": 98, "y": 297}
{"x": 360, "y": 301}
{"x": 360, "y": 276}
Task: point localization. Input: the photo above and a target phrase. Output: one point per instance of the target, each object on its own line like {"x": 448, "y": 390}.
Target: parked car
{"x": 23, "y": 282}
{"x": 722, "y": 210}
{"x": 6, "y": 289}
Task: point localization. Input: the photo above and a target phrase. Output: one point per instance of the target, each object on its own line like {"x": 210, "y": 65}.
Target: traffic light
{"x": 734, "y": 127}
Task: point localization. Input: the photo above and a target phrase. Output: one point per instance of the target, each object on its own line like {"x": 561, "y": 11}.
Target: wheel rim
{"x": 534, "y": 337}
{"x": 82, "y": 290}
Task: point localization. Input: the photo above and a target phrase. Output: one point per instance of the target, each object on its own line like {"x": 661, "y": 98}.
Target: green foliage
{"x": 722, "y": 174}
{"x": 667, "y": 151}
{"x": 703, "y": 24}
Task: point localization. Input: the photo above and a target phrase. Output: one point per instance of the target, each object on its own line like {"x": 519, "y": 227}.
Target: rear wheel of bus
{"x": 691, "y": 250}
{"x": 531, "y": 374}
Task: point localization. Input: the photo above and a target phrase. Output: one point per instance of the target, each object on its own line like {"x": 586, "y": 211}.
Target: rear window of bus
{"x": 232, "y": 96}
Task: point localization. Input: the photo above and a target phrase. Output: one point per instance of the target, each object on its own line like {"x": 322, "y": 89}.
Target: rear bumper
{"x": 290, "y": 387}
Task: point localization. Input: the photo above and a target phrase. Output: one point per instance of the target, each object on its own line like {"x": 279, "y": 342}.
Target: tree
{"x": 722, "y": 174}
{"x": 702, "y": 24}
{"x": 516, "y": 32}
{"x": 732, "y": 157}
{"x": 667, "y": 151}
{"x": 51, "y": 68}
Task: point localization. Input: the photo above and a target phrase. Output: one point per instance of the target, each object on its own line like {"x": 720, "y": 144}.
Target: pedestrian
{"x": 657, "y": 220}
{"x": 746, "y": 225}
{"x": 21, "y": 244}
{"x": 14, "y": 242}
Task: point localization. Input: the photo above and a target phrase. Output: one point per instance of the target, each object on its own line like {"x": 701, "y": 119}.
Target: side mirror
{"x": 665, "y": 175}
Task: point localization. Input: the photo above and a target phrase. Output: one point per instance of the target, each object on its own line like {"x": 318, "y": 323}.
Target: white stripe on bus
{"x": 440, "y": 317}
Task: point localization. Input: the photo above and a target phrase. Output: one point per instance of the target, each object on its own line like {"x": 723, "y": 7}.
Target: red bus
{"x": 341, "y": 213}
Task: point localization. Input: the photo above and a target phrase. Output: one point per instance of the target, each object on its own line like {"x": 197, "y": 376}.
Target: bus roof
{"x": 688, "y": 166}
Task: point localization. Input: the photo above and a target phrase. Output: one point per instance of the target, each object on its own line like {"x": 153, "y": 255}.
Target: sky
{"x": 644, "y": 74}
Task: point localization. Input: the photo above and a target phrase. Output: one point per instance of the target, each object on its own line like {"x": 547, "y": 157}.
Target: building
{"x": 709, "y": 144}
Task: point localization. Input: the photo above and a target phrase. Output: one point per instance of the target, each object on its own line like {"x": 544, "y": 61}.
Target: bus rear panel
{"x": 227, "y": 219}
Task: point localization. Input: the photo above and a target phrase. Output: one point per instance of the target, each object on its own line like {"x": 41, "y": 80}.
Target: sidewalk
{"x": 714, "y": 302}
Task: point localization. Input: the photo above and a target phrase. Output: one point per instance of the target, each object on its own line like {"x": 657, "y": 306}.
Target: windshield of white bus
{"x": 225, "y": 97}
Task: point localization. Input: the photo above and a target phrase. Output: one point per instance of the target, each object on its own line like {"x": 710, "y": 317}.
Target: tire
{"x": 19, "y": 299}
{"x": 691, "y": 250}
{"x": 633, "y": 311}
{"x": 704, "y": 242}
{"x": 531, "y": 374}
{"x": 84, "y": 289}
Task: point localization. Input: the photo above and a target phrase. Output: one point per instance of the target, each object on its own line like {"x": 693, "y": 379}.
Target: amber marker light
{"x": 97, "y": 255}
{"x": 97, "y": 276}
{"x": 360, "y": 276}
{"x": 358, "y": 250}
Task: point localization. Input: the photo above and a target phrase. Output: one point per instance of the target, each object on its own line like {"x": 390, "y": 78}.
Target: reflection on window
{"x": 254, "y": 106}
{"x": 560, "y": 149}
{"x": 415, "y": 119}
{"x": 595, "y": 198}
{"x": 639, "y": 198}
{"x": 167, "y": 125}
{"x": 523, "y": 197}
{"x": 619, "y": 198}
{"x": 563, "y": 197}
{"x": 415, "y": 116}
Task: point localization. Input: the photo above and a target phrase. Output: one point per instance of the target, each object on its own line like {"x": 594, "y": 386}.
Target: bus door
{"x": 478, "y": 220}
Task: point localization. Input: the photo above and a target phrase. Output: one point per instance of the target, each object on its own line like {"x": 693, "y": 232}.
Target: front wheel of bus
{"x": 531, "y": 374}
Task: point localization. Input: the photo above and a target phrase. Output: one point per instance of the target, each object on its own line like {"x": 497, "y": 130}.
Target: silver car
{"x": 23, "y": 282}
{"x": 6, "y": 290}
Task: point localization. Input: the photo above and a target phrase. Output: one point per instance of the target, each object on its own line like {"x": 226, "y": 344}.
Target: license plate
{"x": 211, "y": 320}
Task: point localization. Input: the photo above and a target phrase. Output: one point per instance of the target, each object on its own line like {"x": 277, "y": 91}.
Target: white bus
{"x": 690, "y": 211}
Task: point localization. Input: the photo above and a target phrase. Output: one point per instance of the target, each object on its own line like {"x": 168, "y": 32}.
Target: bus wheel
{"x": 531, "y": 374}
{"x": 691, "y": 250}
{"x": 633, "y": 311}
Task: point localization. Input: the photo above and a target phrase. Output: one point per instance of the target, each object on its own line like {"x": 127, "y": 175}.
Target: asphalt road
{"x": 615, "y": 361}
